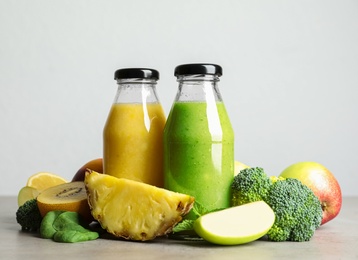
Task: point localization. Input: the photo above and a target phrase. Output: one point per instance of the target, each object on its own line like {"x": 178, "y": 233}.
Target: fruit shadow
{"x": 170, "y": 239}
{"x": 167, "y": 239}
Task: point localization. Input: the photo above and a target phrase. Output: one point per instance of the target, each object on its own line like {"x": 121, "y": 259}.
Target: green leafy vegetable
{"x": 184, "y": 225}
{"x": 65, "y": 226}
{"x": 187, "y": 224}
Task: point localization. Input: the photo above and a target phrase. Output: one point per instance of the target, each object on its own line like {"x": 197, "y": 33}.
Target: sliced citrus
{"x": 26, "y": 193}
{"x": 44, "y": 180}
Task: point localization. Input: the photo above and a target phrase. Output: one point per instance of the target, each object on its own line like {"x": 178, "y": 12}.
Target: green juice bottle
{"x": 199, "y": 139}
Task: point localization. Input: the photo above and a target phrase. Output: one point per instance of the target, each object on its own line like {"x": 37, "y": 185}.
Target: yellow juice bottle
{"x": 133, "y": 133}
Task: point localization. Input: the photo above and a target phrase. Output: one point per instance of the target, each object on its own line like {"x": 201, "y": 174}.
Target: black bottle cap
{"x": 198, "y": 68}
{"x": 139, "y": 73}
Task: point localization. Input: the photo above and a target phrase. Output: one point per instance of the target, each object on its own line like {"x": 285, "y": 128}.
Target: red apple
{"x": 323, "y": 184}
{"x": 95, "y": 165}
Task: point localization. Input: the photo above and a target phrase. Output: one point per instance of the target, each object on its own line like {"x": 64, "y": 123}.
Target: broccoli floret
{"x": 28, "y": 216}
{"x": 298, "y": 211}
{"x": 251, "y": 184}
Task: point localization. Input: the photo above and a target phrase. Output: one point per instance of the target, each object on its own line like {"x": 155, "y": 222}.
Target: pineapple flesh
{"x": 133, "y": 210}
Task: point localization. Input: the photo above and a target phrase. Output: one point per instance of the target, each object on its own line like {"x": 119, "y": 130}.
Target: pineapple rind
{"x": 134, "y": 210}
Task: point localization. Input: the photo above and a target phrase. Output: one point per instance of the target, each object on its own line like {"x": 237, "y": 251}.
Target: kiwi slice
{"x": 71, "y": 196}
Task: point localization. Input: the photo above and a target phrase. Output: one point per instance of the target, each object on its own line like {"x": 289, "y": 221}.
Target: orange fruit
{"x": 95, "y": 165}
{"x": 43, "y": 180}
{"x": 70, "y": 196}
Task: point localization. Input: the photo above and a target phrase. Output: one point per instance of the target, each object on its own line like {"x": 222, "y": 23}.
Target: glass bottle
{"x": 199, "y": 139}
{"x": 133, "y": 133}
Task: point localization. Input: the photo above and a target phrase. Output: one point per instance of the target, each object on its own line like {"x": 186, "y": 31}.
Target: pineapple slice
{"x": 134, "y": 210}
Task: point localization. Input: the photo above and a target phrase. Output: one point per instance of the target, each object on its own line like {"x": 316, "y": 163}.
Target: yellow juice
{"x": 133, "y": 142}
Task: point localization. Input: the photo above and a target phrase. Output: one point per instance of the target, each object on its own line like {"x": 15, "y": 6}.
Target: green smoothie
{"x": 199, "y": 152}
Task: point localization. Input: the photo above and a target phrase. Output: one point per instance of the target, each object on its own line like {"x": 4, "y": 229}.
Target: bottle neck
{"x": 198, "y": 88}
{"x": 136, "y": 91}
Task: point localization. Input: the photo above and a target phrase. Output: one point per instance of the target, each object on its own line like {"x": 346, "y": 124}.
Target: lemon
{"x": 238, "y": 166}
{"x": 43, "y": 180}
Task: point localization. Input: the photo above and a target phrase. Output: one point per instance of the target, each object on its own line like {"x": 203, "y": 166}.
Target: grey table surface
{"x": 337, "y": 239}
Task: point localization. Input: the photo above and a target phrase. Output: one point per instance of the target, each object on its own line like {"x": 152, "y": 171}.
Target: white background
{"x": 290, "y": 80}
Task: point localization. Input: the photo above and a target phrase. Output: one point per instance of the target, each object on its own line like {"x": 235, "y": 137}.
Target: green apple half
{"x": 26, "y": 193}
{"x": 236, "y": 225}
